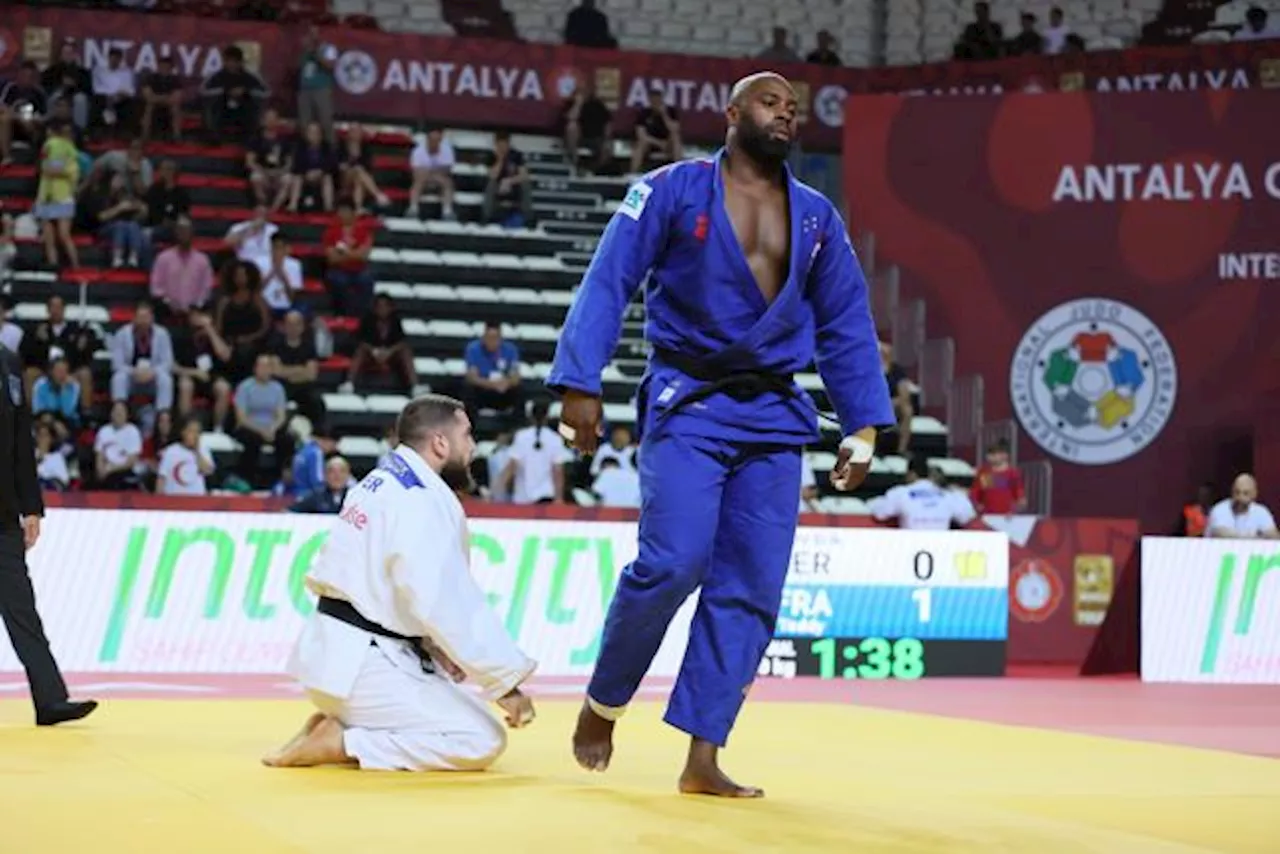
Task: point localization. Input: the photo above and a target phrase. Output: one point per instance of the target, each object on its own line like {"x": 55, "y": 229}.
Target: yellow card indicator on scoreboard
{"x": 971, "y": 566}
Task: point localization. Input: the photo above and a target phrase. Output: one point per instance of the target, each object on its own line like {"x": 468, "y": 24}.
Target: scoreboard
{"x": 890, "y": 604}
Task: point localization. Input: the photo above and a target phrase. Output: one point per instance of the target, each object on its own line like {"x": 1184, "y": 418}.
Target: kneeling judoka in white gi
{"x": 397, "y": 605}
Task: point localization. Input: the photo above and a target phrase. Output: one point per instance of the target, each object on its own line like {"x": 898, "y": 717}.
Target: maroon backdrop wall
{"x": 1160, "y": 211}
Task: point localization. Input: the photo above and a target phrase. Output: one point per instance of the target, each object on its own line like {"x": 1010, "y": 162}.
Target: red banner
{"x": 1107, "y": 263}
{"x": 478, "y": 83}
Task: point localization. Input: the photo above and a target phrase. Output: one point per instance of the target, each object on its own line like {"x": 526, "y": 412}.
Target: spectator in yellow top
{"x": 56, "y": 197}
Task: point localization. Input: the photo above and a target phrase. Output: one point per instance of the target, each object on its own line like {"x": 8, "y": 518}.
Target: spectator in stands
{"x": 262, "y": 418}
{"x": 56, "y": 338}
{"x": 11, "y": 334}
{"x": 1193, "y": 521}
{"x": 281, "y": 277}
{"x": 120, "y": 215}
{"x": 162, "y": 436}
{"x": 657, "y": 132}
{"x": 493, "y": 373}
{"x": 242, "y": 318}
{"x": 779, "y": 50}
{"x": 496, "y": 464}
{"x": 1028, "y": 42}
{"x": 142, "y": 360}
{"x": 314, "y": 165}
{"x": 256, "y": 10}
{"x": 327, "y": 498}
{"x": 185, "y": 465}
{"x": 587, "y": 123}
{"x": 1055, "y": 35}
{"x": 808, "y": 489}
{"x": 117, "y": 449}
{"x": 131, "y": 164}
{"x": 269, "y": 162}
{"x": 51, "y": 465}
{"x": 315, "y": 82}
{"x": 432, "y": 161}
{"x": 355, "y": 169}
{"x": 23, "y": 107}
{"x": 182, "y": 276}
{"x": 115, "y": 92}
{"x": 162, "y": 101}
{"x": 509, "y": 186}
{"x": 308, "y": 472}
{"x": 619, "y": 449}
{"x": 1256, "y": 27}
{"x": 297, "y": 367}
{"x": 587, "y": 26}
{"x": 199, "y": 355}
{"x": 825, "y": 52}
{"x": 535, "y": 470}
{"x": 1241, "y": 516}
{"x": 233, "y": 98}
{"x": 921, "y": 505}
{"x": 997, "y": 487}
{"x": 166, "y": 203}
{"x": 55, "y": 205}
{"x": 251, "y": 239}
{"x": 67, "y": 80}
{"x": 347, "y": 245}
{"x": 616, "y": 486}
{"x": 382, "y": 346}
{"x": 58, "y": 394}
{"x": 8, "y": 246}
{"x": 983, "y": 38}
{"x": 900, "y": 392}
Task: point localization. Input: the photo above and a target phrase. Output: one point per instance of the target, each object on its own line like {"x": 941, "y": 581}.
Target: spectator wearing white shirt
{"x": 51, "y": 465}
{"x": 619, "y": 449}
{"x": 116, "y": 450}
{"x": 1256, "y": 26}
{"x": 432, "y": 163}
{"x": 1055, "y": 35}
{"x": 142, "y": 359}
{"x": 115, "y": 92}
{"x": 1241, "y": 516}
{"x": 616, "y": 486}
{"x": 922, "y": 505}
{"x": 808, "y": 489}
{"x": 185, "y": 464}
{"x": 535, "y": 470}
{"x": 281, "y": 276}
{"x": 251, "y": 239}
{"x": 497, "y": 466}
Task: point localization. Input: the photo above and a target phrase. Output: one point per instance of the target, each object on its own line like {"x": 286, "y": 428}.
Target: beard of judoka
{"x": 758, "y": 142}
{"x": 456, "y": 474}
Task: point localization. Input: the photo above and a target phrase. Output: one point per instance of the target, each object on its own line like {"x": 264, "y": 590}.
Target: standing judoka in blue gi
{"x": 748, "y": 273}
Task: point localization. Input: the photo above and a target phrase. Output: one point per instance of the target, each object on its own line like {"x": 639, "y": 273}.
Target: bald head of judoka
{"x": 763, "y": 117}
{"x": 438, "y": 429}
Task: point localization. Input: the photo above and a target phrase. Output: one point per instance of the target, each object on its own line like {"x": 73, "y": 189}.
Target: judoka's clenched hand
{"x": 519, "y": 708}
{"x": 582, "y": 413}
{"x": 854, "y": 460}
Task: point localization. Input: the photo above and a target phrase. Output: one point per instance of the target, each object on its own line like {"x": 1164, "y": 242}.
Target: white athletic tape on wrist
{"x": 609, "y": 713}
{"x": 566, "y": 432}
{"x": 860, "y": 451}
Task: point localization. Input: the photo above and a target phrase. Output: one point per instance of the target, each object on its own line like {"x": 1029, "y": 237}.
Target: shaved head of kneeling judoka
{"x": 400, "y": 621}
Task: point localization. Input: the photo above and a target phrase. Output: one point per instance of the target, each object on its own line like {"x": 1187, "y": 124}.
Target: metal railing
{"x": 936, "y": 372}
{"x": 1037, "y": 477}
{"x": 908, "y": 333}
{"x": 964, "y": 412}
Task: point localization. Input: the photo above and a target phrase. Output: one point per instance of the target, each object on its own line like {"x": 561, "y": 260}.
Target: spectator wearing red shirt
{"x": 347, "y": 244}
{"x": 997, "y": 488}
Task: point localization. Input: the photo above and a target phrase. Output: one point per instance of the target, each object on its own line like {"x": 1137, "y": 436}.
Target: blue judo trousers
{"x": 721, "y": 420}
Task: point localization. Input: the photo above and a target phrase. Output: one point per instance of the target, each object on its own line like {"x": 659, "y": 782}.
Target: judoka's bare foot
{"x": 312, "y": 723}
{"x": 702, "y": 775}
{"x": 593, "y": 740}
{"x": 321, "y": 746}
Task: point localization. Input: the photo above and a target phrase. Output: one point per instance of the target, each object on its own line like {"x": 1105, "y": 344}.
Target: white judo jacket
{"x": 400, "y": 553}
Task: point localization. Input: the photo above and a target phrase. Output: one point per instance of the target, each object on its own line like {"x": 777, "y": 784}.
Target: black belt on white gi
{"x": 345, "y": 612}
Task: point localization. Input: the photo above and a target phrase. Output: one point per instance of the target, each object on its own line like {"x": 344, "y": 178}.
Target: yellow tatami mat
{"x": 183, "y": 777}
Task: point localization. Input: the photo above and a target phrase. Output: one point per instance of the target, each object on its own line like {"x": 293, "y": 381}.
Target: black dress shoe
{"x": 67, "y": 710}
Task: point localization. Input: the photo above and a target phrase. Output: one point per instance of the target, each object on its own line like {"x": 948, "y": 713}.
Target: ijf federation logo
{"x": 828, "y": 104}
{"x": 1093, "y": 381}
{"x": 355, "y": 72}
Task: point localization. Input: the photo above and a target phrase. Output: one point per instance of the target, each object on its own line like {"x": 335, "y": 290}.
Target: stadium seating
{"x": 447, "y": 278}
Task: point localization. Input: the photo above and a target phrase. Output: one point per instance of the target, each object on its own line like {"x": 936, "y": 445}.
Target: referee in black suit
{"x": 20, "y": 510}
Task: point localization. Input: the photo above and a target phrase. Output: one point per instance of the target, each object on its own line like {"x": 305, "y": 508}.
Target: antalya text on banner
{"x": 1210, "y": 610}
{"x": 521, "y": 86}
{"x": 174, "y": 592}
{"x": 1103, "y": 260}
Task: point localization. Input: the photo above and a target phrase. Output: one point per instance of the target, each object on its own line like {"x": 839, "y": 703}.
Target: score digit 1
{"x": 922, "y": 566}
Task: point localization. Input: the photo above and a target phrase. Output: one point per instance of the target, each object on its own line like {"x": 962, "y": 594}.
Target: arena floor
{"x": 171, "y": 765}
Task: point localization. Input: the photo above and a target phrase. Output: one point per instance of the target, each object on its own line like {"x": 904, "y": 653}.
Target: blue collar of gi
{"x": 409, "y": 469}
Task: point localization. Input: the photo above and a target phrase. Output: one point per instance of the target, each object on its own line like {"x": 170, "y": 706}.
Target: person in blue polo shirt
{"x": 493, "y": 374}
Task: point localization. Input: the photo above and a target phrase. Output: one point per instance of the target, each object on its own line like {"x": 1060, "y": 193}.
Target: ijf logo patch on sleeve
{"x": 637, "y": 197}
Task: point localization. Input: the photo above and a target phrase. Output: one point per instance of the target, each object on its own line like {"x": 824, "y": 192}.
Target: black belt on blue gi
{"x": 345, "y": 612}
{"x": 742, "y": 386}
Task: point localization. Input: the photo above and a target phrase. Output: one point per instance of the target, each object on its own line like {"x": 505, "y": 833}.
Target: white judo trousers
{"x": 400, "y": 718}
{"x": 399, "y": 554}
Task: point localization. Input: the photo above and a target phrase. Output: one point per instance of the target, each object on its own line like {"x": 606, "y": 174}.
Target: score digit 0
{"x": 922, "y": 566}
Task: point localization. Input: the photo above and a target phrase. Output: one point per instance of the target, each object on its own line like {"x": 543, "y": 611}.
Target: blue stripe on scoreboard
{"x": 918, "y": 611}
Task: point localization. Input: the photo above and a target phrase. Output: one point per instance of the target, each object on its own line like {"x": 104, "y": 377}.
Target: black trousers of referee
{"x": 22, "y": 621}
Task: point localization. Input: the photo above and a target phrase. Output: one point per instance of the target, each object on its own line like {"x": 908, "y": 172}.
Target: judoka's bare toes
{"x": 593, "y": 740}
{"x": 702, "y": 775}
{"x": 322, "y": 746}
